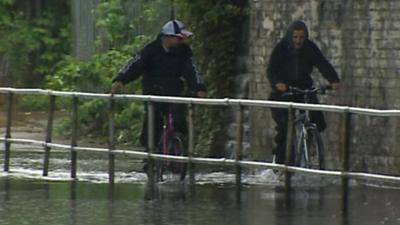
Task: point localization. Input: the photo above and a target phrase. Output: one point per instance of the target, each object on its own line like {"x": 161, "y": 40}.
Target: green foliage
{"x": 92, "y": 117}
{"x": 121, "y": 30}
{"x": 54, "y": 38}
{"x": 45, "y": 41}
{"x": 7, "y": 2}
{"x": 218, "y": 27}
{"x": 30, "y": 46}
{"x": 96, "y": 73}
{"x": 110, "y": 17}
{"x": 129, "y": 121}
{"x": 34, "y": 102}
{"x": 218, "y": 30}
{"x": 16, "y": 45}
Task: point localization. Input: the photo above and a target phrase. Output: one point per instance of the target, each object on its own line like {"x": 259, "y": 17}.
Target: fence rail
{"x": 207, "y": 101}
{"x": 346, "y": 111}
{"x": 211, "y": 161}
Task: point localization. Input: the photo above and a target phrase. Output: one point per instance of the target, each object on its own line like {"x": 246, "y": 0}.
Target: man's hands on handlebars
{"x": 116, "y": 87}
{"x": 282, "y": 87}
{"x": 335, "y": 85}
{"x": 201, "y": 94}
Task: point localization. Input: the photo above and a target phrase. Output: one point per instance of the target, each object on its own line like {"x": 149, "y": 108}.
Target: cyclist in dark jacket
{"x": 291, "y": 64}
{"x": 164, "y": 64}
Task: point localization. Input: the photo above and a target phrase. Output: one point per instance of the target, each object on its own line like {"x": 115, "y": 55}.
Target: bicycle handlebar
{"x": 295, "y": 90}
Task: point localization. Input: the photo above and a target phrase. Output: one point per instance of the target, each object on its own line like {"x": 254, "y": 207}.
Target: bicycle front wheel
{"x": 314, "y": 150}
{"x": 300, "y": 146}
{"x": 308, "y": 148}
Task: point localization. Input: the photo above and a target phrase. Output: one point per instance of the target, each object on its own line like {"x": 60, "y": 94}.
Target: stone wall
{"x": 361, "y": 38}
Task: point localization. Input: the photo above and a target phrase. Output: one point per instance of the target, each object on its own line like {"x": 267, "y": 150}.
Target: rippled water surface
{"x": 37, "y": 201}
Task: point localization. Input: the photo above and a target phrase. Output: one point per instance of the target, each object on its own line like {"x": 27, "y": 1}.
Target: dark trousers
{"x": 280, "y": 117}
{"x": 161, "y": 111}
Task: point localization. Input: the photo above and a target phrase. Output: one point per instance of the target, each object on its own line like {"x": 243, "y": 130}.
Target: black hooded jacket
{"x": 293, "y": 67}
{"x": 161, "y": 70}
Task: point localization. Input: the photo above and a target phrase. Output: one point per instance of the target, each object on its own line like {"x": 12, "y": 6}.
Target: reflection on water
{"x": 26, "y": 198}
{"x": 32, "y": 201}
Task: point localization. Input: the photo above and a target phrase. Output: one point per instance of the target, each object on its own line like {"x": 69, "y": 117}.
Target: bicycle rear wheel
{"x": 159, "y": 170}
{"x": 155, "y": 170}
{"x": 174, "y": 146}
{"x": 177, "y": 147}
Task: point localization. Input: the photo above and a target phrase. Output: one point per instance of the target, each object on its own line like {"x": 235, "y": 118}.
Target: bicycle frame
{"x": 304, "y": 126}
{"x": 304, "y": 115}
{"x": 168, "y": 128}
{"x": 170, "y": 144}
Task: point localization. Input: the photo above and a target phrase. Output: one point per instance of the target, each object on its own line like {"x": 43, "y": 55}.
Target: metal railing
{"x": 47, "y": 144}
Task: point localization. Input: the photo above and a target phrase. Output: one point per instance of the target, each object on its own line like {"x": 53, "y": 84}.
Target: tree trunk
{"x": 83, "y": 28}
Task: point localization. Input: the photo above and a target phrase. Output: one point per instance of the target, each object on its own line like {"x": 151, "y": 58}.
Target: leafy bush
{"x": 96, "y": 74}
{"x": 218, "y": 29}
{"x": 30, "y": 46}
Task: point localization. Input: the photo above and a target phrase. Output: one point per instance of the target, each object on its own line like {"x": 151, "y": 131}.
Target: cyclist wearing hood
{"x": 291, "y": 64}
{"x": 164, "y": 65}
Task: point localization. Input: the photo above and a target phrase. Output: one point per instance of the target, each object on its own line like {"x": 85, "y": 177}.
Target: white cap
{"x": 176, "y": 28}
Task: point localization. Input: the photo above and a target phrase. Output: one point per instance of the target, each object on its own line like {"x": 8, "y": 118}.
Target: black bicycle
{"x": 171, "y": 143}
{"x": 307, "y": 142}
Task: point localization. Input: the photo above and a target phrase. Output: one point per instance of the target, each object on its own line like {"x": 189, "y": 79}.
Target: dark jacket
{"x": 162, "y": 71}
{"x": 293, "y": 67}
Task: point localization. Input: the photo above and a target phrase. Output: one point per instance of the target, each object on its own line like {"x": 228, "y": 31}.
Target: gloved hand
{"x": 282, "y": 87}
{"x": 116, "y": 87}
{"x": 201, "y": 94}
{"x": 335, "y": 85}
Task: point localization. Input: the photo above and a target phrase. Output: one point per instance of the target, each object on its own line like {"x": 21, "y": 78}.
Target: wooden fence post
{"x": 239, "y": 149}
{"x": 49, "y": 132}
{"x": 74, "y": 135}
{"x": 111, "y": 142}
{"x": 8, "y": 132}
{"x": 289, "y": 150}
{"x": 191, "y": 165}
{"x": 345, "y": 159}
{"x": 150, "y": 142}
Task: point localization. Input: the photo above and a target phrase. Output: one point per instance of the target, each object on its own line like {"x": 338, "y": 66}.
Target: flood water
{"x": 35, "y": 201}
{"x": 28, "y": 198}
